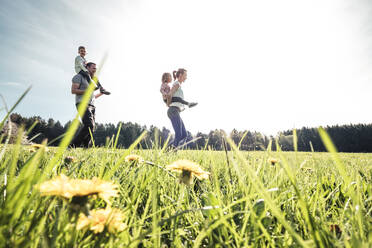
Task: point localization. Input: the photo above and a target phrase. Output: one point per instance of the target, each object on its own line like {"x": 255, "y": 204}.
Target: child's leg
{"x": 85, "y": 75}
{"x": 179, "y": 99}
{"x": 101, "y": 89}
{"x": 88, "y": 78}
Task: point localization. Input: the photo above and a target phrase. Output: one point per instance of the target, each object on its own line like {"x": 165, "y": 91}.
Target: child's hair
{"x": 81, "y": 47}
{"x": 165, "y": 76}
{"x": 178, "y": 73}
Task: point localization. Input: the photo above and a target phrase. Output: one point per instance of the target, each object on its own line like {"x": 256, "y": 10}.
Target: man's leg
{"x": 88, "y": 122}
{"x": 76, "y": 142}
{"x": 79, "y": 137}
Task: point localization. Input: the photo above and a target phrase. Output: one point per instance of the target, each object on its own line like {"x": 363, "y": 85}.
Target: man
{"x": 80, "y": 67}
{"x": 79, "y": 85}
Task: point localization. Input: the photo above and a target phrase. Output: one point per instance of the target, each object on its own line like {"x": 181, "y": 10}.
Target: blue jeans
{"x": 82, "y": 139}
{"x": 177, "y": 123}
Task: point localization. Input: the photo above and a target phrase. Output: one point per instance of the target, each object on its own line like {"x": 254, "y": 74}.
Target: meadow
{"x": 111, "y": 197}
{"x": 250, "y": 199}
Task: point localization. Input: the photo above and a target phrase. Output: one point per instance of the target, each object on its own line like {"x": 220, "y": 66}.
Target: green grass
{"x": 306, "y": 199}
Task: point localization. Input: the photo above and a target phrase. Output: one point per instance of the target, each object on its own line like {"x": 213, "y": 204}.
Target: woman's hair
{"x": 165, "y": 76}
{"x": 178, "y": 73}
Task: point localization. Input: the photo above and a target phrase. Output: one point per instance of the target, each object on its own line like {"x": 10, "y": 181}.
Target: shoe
{"x": 105, "y": 92}
{"x": 192, "y": 104}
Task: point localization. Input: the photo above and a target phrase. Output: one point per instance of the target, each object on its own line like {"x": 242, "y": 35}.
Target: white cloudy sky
{"x": 252, "y": 65}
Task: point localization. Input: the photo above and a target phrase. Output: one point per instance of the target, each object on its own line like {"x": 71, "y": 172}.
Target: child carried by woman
{"x": 165, "y": 91}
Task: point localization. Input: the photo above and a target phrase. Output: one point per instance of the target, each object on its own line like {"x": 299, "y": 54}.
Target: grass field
{"x": 300, "y": 200}
{"x": 248, "y": 199}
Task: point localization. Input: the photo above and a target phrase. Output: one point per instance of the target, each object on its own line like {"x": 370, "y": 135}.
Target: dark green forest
{"x": 347, "y": 138}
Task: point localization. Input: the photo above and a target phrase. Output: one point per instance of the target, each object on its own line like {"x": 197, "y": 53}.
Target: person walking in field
{"x": 80, "y": 67}
{"x": 79, "y": 85}
{"x": 176, "y": 107}
{"x": 165, "y": 90}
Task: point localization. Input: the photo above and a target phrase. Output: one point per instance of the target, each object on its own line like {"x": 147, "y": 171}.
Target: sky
{"x": 265, "y": 66}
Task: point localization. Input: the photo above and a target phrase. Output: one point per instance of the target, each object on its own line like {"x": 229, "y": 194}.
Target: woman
{"x": 165, "y": 90}
{"x": 176, "y": 107}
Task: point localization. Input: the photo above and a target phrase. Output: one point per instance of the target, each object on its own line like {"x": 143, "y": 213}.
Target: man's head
{"x": 91, "y": 67}
{"x": 81, "y": 51}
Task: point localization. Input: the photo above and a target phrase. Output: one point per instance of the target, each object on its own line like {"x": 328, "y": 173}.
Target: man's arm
{"x": 75, "y": 89}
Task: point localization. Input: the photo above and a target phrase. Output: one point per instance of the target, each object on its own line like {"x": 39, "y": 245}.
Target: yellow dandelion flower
{"x": 68, "y": 188}
{"x": 83, "y": 222}
{"x": 133, "y": 158}
{"x": 39, "y": 146}
{"x": 32, "y": 150}
{"x": 273, "y": 161}
{"x": 188, "y": 169}
{"x": 105, "y": 189}
{"x": 57, "y": 186}
{"x": 116, "y": 223}
{"x": 98, "y": 219}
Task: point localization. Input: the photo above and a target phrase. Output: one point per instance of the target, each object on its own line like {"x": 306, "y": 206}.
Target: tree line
{"x": 347, "y": 138}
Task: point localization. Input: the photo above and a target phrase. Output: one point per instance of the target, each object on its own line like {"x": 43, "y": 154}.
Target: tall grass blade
{"x": 241, "y": 140}
{"x": 259, "y": 187}
{"x": 326, "y": 139}
{"x": 14, "y": 106}
{"x": 117, "y": 135}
